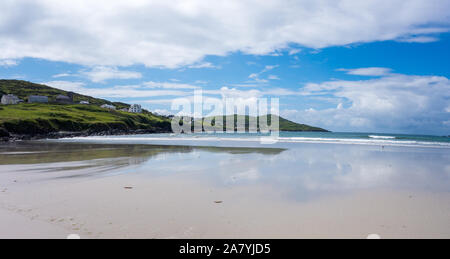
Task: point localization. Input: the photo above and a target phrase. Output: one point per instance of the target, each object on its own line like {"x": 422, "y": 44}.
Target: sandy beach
{"x": 132, "y": 191}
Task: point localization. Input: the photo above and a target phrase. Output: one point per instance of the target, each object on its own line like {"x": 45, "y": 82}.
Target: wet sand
{"x": 310, "y": 191}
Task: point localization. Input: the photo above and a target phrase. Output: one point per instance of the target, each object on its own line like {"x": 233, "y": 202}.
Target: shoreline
{"x": 228, "y": 140}
{"x": 64, "y": 134}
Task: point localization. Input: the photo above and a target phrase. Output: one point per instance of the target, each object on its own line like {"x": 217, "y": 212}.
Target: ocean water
{"x": 283, "y": 138}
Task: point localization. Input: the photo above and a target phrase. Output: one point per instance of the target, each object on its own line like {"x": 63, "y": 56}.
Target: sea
{"x": 245, "y": 139}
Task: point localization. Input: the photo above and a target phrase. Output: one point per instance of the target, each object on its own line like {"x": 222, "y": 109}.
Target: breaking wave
{"x": 381, "y": 137}
{"x": 193, "y": 139}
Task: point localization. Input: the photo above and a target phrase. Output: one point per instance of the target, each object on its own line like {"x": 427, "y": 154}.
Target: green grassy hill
{"x": 285, "y": 125}
{"x": 40, "y": 119}
{"x": 37, "y": 119}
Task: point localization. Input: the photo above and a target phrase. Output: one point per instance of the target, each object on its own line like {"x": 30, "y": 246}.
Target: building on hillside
{"x": 124, "y": 110}
{"x": 37, "y": 99}
{"x": 84, "y": 102}
{"x": 107, "y": 106}
{"x": 63, "y": 99}
{"x": 135, "y": 108}
{"x": 10, "y": 99}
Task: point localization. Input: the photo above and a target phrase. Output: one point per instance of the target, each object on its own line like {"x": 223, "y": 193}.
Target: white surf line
{"x": 378, "y": 142}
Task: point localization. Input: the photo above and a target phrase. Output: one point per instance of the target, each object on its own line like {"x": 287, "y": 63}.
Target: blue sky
{"x": 341, "y": 65}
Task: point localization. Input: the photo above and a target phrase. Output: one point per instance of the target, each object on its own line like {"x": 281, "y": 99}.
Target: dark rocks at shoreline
{"x": 7, "y": 137}
{"x": 4, "y": 133}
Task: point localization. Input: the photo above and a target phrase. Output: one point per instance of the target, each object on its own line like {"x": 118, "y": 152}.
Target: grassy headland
{"x": 39, "y": 119}
{"x": 284, "y": 124}
{"x": 35, "y": 119}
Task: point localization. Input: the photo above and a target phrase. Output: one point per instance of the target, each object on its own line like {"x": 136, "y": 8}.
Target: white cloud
{"x": 182, "y": 32}
{"x": 204, "y": 65}
{"x": 257, "y": 79}
{"x": 124, "y": 91}
{"x": 273, "y": 77}
{"x": 245, "y": 85}
{"x": 367, "y": 71}
{"x": 160, "y": 101}
{"x": 395, "y": 102}
{"x": 419, "y": 39}
{"x": 162, "y": 112}
{"x": 268, "y": 68}
{"x": 169, "y": 85}
{"x": 102, "y": 73}
{"x": 226, "y": 92}
{"x": 8, "y": 62}
{"x": 62, "y": 75}
{"x": 200, "y": 82}
{"x": 256, "y": 76}
{"x": 167, "y": 101}
{"x": 164, "y": 89}
{"x": 294, "y": 51}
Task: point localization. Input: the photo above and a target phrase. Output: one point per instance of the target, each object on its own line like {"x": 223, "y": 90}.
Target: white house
{"x": 84, "y": 102}
{"x": 135, "y": 108}
{"x": 107, "y": 106}
{"x": 10, "y": 99}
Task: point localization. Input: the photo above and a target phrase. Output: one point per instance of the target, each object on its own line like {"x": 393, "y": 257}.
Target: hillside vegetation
{"x": 284, "y": 124}
{"x": 35, "y": 119}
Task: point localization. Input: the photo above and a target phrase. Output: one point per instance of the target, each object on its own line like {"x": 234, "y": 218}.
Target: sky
{"x": 344, "y": 65}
